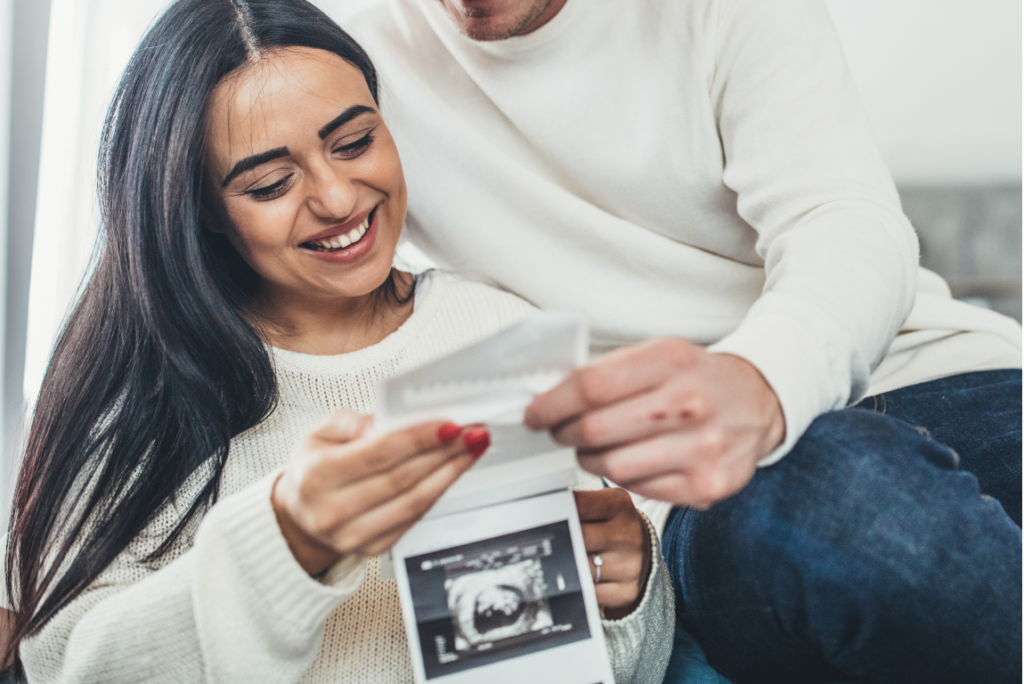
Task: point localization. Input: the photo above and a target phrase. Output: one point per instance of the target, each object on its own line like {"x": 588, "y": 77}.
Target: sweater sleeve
{"x": 840, "y": 257}
{"x": 640, "y": 644}
{"x": 235, "y": 607}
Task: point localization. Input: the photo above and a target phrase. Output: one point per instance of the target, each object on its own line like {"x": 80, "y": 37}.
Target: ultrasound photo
{"x": 497, "y": 599}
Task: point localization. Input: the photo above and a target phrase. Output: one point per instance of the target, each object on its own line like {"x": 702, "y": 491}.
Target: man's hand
{"x": 666, "y": 419}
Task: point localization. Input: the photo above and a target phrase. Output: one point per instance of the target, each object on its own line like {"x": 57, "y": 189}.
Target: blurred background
{"x": 941, "y": 81}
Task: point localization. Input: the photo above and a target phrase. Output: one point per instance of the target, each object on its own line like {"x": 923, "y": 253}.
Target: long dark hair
{"x": 157, "y": 368}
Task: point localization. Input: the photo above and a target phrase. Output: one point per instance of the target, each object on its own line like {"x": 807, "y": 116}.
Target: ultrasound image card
{"x": 491, "y": 607}
{"x": 502, "y": 594}
{"x": 495, "y": 599}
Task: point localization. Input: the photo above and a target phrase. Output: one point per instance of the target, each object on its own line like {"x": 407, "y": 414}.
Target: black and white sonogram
{"x": 496, "y": 599}
{"x": 497, "y": 603}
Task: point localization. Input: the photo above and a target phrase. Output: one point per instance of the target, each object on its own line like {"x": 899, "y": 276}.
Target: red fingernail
{"x": 448, "y": 431}
{"x": 477, "y": 440}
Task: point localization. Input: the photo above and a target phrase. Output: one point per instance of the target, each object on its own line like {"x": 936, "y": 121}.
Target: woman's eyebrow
{"x": 252, "y": 162}
{"x": 343, "y": 118}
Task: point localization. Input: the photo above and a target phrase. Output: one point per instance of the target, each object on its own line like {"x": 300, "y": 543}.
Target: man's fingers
{"x": 611, "y": 378}
{"x": 676, "y": 488}
{"x": 701, "y": 463}
{"x": 643, "y": 415}
{"x": 641, "y": 460}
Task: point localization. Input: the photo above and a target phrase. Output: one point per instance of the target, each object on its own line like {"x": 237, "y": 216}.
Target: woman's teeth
{"x": 342, "y": 241}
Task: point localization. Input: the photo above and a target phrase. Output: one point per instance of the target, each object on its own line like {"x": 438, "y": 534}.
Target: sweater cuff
{"x": 346, "y": 573}
{"x": 246, "y": 523}
{"x": 642, "y": 640}
{"x": 783, "y": 349}
{"x": 629, "y": 621}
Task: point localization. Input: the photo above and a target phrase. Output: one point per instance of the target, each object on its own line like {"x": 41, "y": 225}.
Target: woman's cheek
{"x": 250, "y": 235}
{"x": 389, "y": 163}
{"x": 397, "y": 190}
{"x": 266, "y": 224}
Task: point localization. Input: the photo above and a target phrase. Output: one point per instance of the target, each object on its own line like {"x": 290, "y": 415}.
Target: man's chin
{"x": 490, "y": 20}
{"x": 486, "y": 33}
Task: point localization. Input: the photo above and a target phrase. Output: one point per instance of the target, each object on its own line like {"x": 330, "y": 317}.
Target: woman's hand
{"x": 614, "y": 530}
{"x": 347, "y": 493}
{"x": 666, "y": 419}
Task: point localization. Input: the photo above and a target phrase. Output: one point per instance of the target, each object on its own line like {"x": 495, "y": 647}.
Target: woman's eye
{"x": 354, "y": 149}
{"x": 269, "y": 191}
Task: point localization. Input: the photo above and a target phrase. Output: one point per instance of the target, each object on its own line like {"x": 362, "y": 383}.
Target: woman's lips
{"x": 342, "y": 239}
{"x": 343, "y": 249}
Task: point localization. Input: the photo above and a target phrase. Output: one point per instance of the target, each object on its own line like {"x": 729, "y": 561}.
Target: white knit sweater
{"x": 696, "y": 168}
{"x": 232, "y": 605}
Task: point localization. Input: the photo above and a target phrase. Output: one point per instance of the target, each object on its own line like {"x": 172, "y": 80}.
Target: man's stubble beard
{"x": 516, "y": 26}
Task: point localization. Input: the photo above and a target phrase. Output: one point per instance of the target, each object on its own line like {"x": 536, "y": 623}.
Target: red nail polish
{"x": 477, "y": 440}
{"x": 448, "y": 431}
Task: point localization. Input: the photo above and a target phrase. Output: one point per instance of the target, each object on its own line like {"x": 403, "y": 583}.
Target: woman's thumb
{"x": 344, "y": 425}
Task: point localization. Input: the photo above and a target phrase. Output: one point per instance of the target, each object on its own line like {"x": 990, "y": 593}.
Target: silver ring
{"x": 598, "y": 562}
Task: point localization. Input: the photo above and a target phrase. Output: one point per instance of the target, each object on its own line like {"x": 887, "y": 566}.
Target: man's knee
{"x": 860, "y": 494}
{"x": 853, "y": 530}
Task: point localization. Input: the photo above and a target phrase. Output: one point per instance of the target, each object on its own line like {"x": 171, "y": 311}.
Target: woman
{"x": 181, "y": 516}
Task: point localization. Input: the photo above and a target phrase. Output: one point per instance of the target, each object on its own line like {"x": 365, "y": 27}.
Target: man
{"x": 699, "y": 179}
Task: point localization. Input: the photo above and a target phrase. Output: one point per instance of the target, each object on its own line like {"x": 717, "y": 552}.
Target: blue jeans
{"x": 885, "y": 547}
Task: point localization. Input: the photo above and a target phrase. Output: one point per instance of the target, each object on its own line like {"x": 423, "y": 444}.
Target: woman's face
{"x": 303, "y": 175}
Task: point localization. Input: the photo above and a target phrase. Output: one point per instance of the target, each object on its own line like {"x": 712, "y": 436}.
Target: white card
{"x": 492, "y": 382}
{"x": 502, "y": 595}
{"x": 495, "y": 582}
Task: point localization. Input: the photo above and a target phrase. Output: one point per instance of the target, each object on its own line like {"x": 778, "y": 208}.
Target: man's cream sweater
{"x": 695, "y": 168}
{"x": 232, "y": 605}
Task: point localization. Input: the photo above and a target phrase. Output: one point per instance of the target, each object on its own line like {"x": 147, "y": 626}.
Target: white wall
{"x": 941, "y": 80}
{"x": 90, "y": 44}
{"x": 23, "y": 41}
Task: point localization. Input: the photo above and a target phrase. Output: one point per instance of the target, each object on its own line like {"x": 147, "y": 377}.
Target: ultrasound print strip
{"x": 496, "y": 599}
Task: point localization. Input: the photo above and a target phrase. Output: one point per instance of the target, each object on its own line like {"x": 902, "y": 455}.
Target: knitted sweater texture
{"x": 231, "y": 604}
{"x": 695, "y": 168}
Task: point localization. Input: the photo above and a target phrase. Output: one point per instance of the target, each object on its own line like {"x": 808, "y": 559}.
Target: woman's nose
{"x": 332, "y": 196}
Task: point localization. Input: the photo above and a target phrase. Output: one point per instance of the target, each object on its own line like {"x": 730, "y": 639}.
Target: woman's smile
{"x": 339, "y": 237}
{"x": 343, "y": 244}
{"x": 306, "y": 181}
